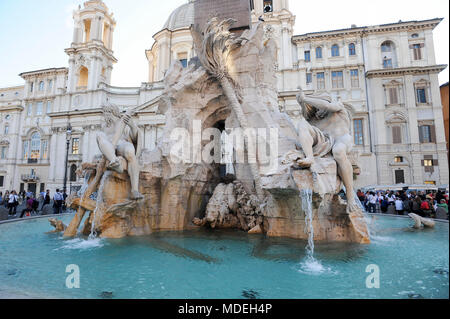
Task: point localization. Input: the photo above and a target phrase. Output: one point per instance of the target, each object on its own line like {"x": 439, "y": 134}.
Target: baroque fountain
{"x": 232, "y": 81}
{"x": 156, "y": 224}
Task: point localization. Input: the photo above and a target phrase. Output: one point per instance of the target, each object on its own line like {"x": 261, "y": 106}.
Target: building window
{"x": 386, "y": 47}
{"x": 354, "y": 75}
{"x": 50, "y": 84}
{"x": 44, "y": 149}
{"x": 3, "y": 152}
{"x": 49, "y": 107}
{"x": 415, "y": 35}
{"x": 39, "y": 107}
{"x": 399, "y": 176}
{"x": 427, "y": 134}
{"x": 335, "y": 50}
{"x": 308, "y": 78}
{"x": 307, "y": 56}
{"x": 183, "y": 58}
{"x": 268, "y": 6}
{"x": 337, "y": 79}
{"x": 429, "y": 163}
{"x": 430, "y": 182}
{"x": 41, "y": 86}
{"x": 319, "y": 53}
{"x": 2, "y": 181}
{"x": 417, "y": 51}
{"x": 398, "y": 159}
{"x": 25, "y": 150}
{"x": 421, "y": 96}
{"x": 75, "y": 146}
{"x": 387, "y": 63}
{"x": 351, "y": 49}
{"x": 6, "y": 129}
{"x": 30, "y": 109}
{"x": 73, "y": 173}
{"x": 358, "y": 132}
{"x": 393, "y": 95}
{"x": 388, "y": 54}
{"x": 321, "y": 81}
{"x": 31, "y": 87}
{"x": 35, "y": 149}
{"x": 396, "y": 135}
{"x": 184, "y": 63}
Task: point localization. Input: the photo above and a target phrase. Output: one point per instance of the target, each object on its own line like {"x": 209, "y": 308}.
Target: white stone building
{"x": 387, "y": 72}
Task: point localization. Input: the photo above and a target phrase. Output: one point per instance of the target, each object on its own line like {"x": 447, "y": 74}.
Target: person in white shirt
{"x": 13, "y": 202}
{"x": 57, "y": 202}
{"x": 372, "y": 202}
{"x": 399, "y": 206}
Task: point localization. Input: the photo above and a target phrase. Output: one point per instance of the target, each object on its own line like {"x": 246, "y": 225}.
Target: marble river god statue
{"x": 231, "y": 83}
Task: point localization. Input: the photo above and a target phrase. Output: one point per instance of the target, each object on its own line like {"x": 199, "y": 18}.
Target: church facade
{"x": 387, "y": 72}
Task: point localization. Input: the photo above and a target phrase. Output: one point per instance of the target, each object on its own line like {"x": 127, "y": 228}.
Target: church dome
{"x": 182, "y": 17}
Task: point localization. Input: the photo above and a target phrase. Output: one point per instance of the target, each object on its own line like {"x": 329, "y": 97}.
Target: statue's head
{"x": 309, "y": 112}
{"x": 111, "y": 113}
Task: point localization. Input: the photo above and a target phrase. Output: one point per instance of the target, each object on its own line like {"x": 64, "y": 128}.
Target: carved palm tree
{"x": 213, "y": 48}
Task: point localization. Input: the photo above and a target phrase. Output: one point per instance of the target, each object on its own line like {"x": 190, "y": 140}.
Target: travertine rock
{"x": 59, "y": 225}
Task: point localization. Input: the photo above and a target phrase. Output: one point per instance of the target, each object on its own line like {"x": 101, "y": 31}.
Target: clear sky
{"x": 34, "y": 33}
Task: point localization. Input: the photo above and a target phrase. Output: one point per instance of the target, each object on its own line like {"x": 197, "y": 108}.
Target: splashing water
{"x": 310, "y": 265}
{"x": 306, "y": 196}
{"x": 99, "y": 202}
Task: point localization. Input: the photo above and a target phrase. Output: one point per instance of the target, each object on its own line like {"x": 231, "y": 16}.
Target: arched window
{"x": 335, "y": 50}
{"x": 73, "y": 173}
{"x": 389, "y": 56}
{"x": 387, "y": 46}
{"x": 319, "y": 53}
{"x": 351, "y": 49}
{"x": 41, "y": 86}
{"x": 83, "y": 78}
{"x": 35, "y": 150}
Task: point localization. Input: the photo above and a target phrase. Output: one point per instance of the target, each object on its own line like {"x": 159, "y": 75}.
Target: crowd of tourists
{"x": 426, "y": 204}
{"x": 28, "y": 203}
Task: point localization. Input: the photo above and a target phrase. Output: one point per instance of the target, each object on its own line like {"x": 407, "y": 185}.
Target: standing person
{"x": 29, "y": 207}
{"x": 1, "y": 198}
{"x": 372, "y": 202}
{"x": 407, "y": 205}
{"x": 6, "y": 199}
{"x": 415, "y": 207}
{"x": 399, "y": 206}
{"x": 46, "y": 199}
{"x": 384, "y": 205}
{"x": 13, "y": 203}
{"x": 57, "y": 202}
{"x": 425, "y": 208}
{"x": 442, "y": 210}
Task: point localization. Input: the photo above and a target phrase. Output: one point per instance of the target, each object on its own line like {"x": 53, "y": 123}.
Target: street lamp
{"x": 68, "y": 138}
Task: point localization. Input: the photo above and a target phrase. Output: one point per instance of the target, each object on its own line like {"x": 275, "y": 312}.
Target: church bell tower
{"x": 91, "y": 57}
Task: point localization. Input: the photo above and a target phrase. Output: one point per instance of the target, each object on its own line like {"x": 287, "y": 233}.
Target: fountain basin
{"x": 223, "y": 264}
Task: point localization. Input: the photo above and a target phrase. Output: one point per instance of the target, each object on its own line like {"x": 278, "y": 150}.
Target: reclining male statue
{"x": 120, "y": 137}
{"x": 325, "y": 127}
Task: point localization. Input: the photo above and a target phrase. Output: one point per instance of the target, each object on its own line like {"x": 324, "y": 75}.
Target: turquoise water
{"x": 223, "y": 264}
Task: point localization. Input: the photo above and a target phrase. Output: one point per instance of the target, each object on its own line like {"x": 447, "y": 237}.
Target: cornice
{"x": 362, "y": 31}
{"x": 406, "y": 71}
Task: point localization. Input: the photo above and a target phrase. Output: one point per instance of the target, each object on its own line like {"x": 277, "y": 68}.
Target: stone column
{"x": 53, "y": 159}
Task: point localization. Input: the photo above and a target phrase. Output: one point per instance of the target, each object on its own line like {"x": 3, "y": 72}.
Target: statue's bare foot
{"x": 115, "y": 166}
{"x": 135, "y": 195}
{"x": 306, "y": 163}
